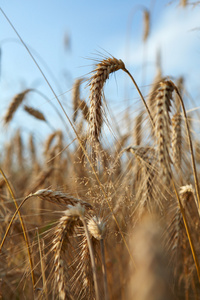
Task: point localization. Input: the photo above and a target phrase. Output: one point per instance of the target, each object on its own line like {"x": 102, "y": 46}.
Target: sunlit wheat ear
{"x": 146, "y": 24}
{"x": 34, "y": 112}
{"x": 65, "y": 228}
{"x": 17, "y": 100}
{"x": 177, "y": 140}
{"x": 163, "y": 126}
{"x": 76, "y": 97}
{"x": 60, "y": 198}
{"x": 101, "y": 74}
{"x": 151, "y": 272}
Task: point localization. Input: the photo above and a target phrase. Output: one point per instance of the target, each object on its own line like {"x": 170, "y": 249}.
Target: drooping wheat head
{"x": 97, "y": 81}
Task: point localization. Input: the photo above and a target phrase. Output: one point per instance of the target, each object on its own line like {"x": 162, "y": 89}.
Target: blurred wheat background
{"x": 99, "y": 169}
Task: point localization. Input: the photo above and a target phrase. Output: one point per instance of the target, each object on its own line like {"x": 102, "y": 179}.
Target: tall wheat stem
{"x": 190, "y": 146}
{"x": 91, "y": 250}
{"x": 104, "y": 269}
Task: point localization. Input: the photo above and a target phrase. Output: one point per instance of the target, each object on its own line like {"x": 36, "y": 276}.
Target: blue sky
{"x": 93, "y": 26}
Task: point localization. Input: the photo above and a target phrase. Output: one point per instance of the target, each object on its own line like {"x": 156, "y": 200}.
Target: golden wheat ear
{"x": 17, "y": 100}
{"x": 101, "y": 74}
{"x": 76, "y": 97}
{"x": 162, "y": 121}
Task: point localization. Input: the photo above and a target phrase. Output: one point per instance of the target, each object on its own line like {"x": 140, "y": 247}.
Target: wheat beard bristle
{"x": 102, "y": 71}
{"x": 163, "y": 125}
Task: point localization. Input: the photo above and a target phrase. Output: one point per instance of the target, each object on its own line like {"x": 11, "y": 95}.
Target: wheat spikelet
{"x": 34, "y": 112}
{"x": 176, "y": 140}
{"x": 97, "y": 228}
{"x": 101, "y": 74}
{"x": 59, "y": 197}
{"x": 17, "y": 100}
{"x": 163, "y": 125}
{"x": 76, "y": 97}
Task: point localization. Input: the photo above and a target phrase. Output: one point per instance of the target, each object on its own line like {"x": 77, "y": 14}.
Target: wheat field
{"x": 102, "y": 214}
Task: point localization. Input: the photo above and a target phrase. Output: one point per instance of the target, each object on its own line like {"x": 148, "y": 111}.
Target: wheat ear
{"x": 34, "y": 112}
{"x": 163, "y": 126}
{"x": 101, "y": 74}
{"x": 76, "y": 97}
{"x": 17, "y": 100}
{"x": 60, "y": 198}
{"x": 177, "y": 140}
